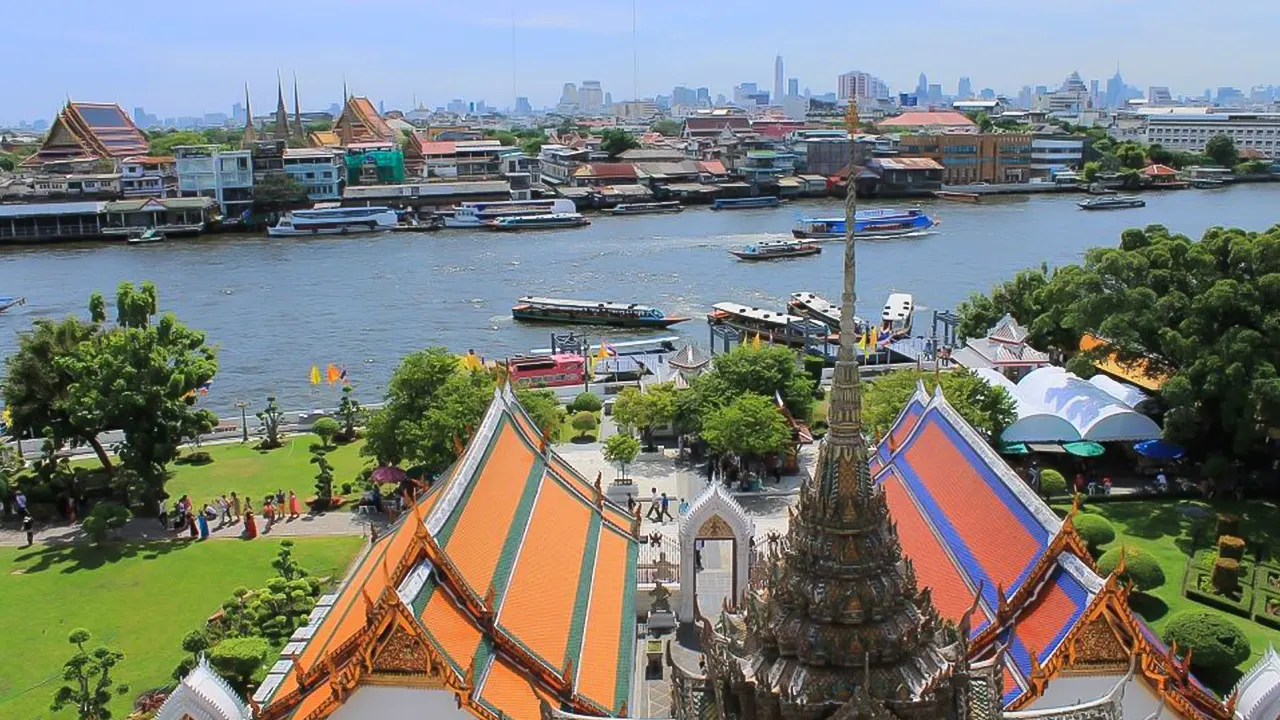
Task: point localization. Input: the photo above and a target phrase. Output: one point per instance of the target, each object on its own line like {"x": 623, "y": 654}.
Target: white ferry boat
{"x": 537, "y": 222}
{"x": 478, "y": 214}
{"x": 897, "y": 316}
{"x": 816, "y": 307}
{"x": 335, "y": 221}
{"x": 770, "y": 325}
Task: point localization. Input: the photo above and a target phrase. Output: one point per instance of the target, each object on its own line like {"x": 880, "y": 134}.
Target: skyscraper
{"x": 569, "y": 96}
{"x": 1115, "y": 91}
{"x": 704, "y": 96}
{"x": 922, "y": 87}
{"x": 777, "y": 78}
{"x": 793, "y": 87}
{"x": 964, "y": 89}
{"x": 858, "y": 85}
{"x": 681, "y": 95}
{"x": 590, "y": 96}
{"x": 523, "y": 107}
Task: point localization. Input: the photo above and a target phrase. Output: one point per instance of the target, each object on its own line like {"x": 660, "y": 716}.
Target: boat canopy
{"x": 563, "y": 304}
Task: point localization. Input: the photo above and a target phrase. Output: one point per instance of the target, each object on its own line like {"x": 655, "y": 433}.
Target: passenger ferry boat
{"x": 591, "y": 312}
{"x": 897, "y": 316}
{"x": 1116, "y": 202}
{"x": 866, "y": 223}
{"x": 670, "y": 206}
{"x": 742, "y": 203}
{"x": 476, "y": 214}
{"x": 556, "y": 370}
{"x": 769, "y": 325}
{"x": 538, "y": 222}
{"x": 816, "y": 307}
{"x": 334, "y": 221}
{"x": 777, "y": 249}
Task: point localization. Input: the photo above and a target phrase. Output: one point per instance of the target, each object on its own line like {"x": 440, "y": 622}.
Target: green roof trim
{"x": 626, "y": 648}
{"x": 419, "y": 604}
{"x": 515, "y": 534}
{"x": 586, "y": 574}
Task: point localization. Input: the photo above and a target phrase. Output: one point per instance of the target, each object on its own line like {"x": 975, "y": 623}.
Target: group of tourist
{"x": 659, "y": 507}
{"x": 21, "y": 510}
{"x": 228, "y": 509}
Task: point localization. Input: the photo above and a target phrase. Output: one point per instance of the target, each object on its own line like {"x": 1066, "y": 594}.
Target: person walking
{"x": 20, "y": 503}
{"x": 28, "y": 527}
{"x": 235, "y": 506}
{"x": 654, "y": 512}
{"x": 250, "y": 526}
{"x": 293, "y": 505}
{"x": 666, "y": 510}
{"x": 162, "y": 513}
{"x": 225, "y": 506}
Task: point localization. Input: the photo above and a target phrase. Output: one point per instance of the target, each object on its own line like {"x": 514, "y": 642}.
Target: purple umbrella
{"x": 388, "y": 474}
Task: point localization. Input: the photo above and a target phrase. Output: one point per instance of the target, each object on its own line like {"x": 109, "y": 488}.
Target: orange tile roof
{"x": 452, "y": 629}
{"x": 1139, "y": 373}
{"x": 1042, "y": 628}
{"x": 538, "y": 604}
{"x": 369, "y": 114}
{"x": 313, "y": 701}
{"x": 925, "y": 118}
{"x": 603, "y": 649}
{"x": 507, "y": 690}
{"x": 612, "y": 512}
{"x": 439, "y": 147}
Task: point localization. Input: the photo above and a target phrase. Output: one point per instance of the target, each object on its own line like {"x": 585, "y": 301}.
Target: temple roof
{"x": 89, "y": 131}
{"x": 515, "y": 569}
{"x": 1258, "y": 692}
{"x": 203, "y": 694}
{"x": 360, "y": 122}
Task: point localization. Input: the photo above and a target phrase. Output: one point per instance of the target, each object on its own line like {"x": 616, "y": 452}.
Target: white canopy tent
{"x": 1095, "y": 414}
{"x": 1036, "y": 423}
{"x": 1124, "y": 392}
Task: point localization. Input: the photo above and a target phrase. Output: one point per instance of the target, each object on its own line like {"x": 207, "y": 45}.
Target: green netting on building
{"x": 375, "y": 168}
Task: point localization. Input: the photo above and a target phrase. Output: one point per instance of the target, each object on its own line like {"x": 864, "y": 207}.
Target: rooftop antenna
{"x": 635, "y": 54}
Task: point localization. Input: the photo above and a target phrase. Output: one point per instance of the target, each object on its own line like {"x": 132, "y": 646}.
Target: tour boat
{"x": 538, "y": 222}
{"x": 592, "y": 312}
{"x": 1112, "y": 203}
{"x": 886, "y": 222}
{"x": 669, "y": 206}
{"x": 151, "y": 235}
{"x": 1206, "y": 183}
{"x": 742, "y": 203}
{"x": 954, "y": 196}
{"x": 476, "y": 214}
{"x": 777, "y": 249}
{"x": 335, "y": 221}
{"x": 556, "y": 370}
{"x": 769, "y": 325}
{"x": 816, "y": 307}
{"x": 897, "y": 315}
{"x": 430, "y": 223}
{"x": 8, "y": 302}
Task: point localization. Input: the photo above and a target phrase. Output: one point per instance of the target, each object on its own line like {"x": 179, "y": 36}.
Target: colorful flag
{"x": 755, "y": 342}
{"x": 6, "y": 417}
{"x": 332, "y": 374}
{"x": 875, "y": 340}
{"x": 315, "y": 374}
{"x": 605, "y": 351}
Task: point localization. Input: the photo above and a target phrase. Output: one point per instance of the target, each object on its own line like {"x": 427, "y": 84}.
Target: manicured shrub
{"x": 584, "y": 422}
{"x": 1231, "y": 547}
{"x": 238, "y": 658}
{"x": 326, "y": 428}
{"x": 1228, "y": 524}
{"x": 1052, "y": 482}
{"x": 103, "y": 518}
{"x": 1139, "y": 567}
{"x": 586, "y": 402}
{"x": 1095, "y": 530}
{"x": 1226, "y": 576}
{"x": 1214, "y": 641}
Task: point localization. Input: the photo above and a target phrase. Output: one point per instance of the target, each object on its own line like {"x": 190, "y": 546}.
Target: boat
{"x": 1206, "y": 183}
{"x": 335, "y": 221}
{"x": 556, "y": 370}
{"x": 476, "y": 214}
{"x": 150, "y": 235}
{"x": 538, "y": 222}
{"x": 1098, "y": 188}
{"x": 886, "y": 222}
{"x": 1107, "y": 202}
{"x": 591, "y": 312}
{"x": 413, "y": 224}
{"x": 769, "y": 325}
{"x": 816, "y": 307}
{"x": 669, "y": 206}
{"x": 8, "y": 302}
{"x": 898, "y": 314}
{"x": 648, "y": 346}
{"x": 777, "y": 249}
{"x": 767, "y": 201}
{"x": 957, "y": 196}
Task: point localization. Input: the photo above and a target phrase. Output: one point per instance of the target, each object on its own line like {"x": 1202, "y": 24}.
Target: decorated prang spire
{"x": 298, "y": 130}
{"x": 282, "y": 113}
{"x": 249, "y": 136}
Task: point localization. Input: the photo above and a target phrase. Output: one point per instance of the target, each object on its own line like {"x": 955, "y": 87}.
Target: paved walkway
{"x": 144, "y": 529}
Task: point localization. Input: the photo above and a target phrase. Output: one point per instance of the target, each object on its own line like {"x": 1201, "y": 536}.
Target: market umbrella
{"x": 1158, "y": 450}
{"x": 1015, "y": 449}
{"x": 388, "y": 474}
{"x": 1083, "y": 448}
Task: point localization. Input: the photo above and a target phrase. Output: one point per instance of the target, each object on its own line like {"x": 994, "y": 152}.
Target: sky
{"x": 190, "y": 58}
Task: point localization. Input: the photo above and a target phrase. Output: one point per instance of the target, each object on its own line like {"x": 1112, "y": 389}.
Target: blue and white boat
{"x": 335, "y": 221}
{"x": 886, "y": 222}
{"x": 8, "y": 302}
{"x": 743, "y": 203}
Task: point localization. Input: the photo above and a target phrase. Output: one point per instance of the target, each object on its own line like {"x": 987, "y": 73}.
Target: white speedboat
{"x": 478, "y": 214}
{"x": 335, "y": 221}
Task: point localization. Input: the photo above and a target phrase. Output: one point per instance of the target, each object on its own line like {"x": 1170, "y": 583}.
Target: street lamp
{"x": 244, "y": 421}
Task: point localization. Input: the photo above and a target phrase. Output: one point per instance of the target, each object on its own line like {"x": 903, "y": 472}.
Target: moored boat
{"x": 335, "y": 221}
{"x": 769, "y": 325}
{"x": 816, "y": 307}
{"x": 767, "y": 201}
{"x": 538, "y": 222}
{"x": 8, "y": 302}
{"x": 1205, "y": 183}
{"x": 776, "y": 250}
{"x": 669, "y": 206}
{"x": 476, "y": 214}
{"x": 146, "y": 237}
{"x": 957, "y": 196}
{"x": 556, "y": 370}
{"x": 897, "y": 316}
{"x": 591, "y": 312}
{"x": 1116, "y": 202}
{"x": 885, "y": 222}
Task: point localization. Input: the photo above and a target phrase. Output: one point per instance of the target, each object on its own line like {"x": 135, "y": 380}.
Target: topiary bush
{"x": 1214, "y": 641}
{"x": 584, "y": 422}
{"x": 1228, "y": 524}
{"x": 1231, "y": 547}
{"x": 102, "y": 519}
{"x": 238, "y": 658}
{"x": 1226, "y": 576}
{"x": 326, "y": 428}
{"x": 1094, "y": 530}
{"x": 1139, "y": 567}
{"x": 586, "y": 402}
{"x": 1052, "y": 482}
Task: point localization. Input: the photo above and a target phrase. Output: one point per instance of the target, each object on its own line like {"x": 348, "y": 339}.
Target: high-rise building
{"x": 608, "y": 100}
{"x": 855, "y": 85}
{"x": 742, "y": 91}
{"x": 704, "y": 96}
{"x": 1159, "y": 95}
{"x": 681, "y": 95}
{"x": 569, "y": 96}
{"x": 139, "y": 117}
{"x": 922, "y": 87}
{"x": 237, "y": 113}
{"x": 1115, "y": 91}
{"x": 964, "y": 89}
{"x": 793, "y": 87}
{"x": 720, "y": 99}
{"x": 935, "y": 93}
{"x": 523, "y": 107}
{"x": 1094, "y": 98}
{"x": 987, "y": 94}
{"x": 1024, "y": 97}
{"x": 777, "y": 78}
{"x": 590, "y": 96}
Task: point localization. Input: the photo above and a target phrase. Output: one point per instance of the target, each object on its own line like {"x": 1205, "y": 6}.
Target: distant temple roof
{"x": 361, "y": 123}
{"x": 203, "y": 694}
{"x": 927, "y": 119}
{"x": 511, "y": 582}
{"x": 1004, "y": 346}
{"x": 89, "y": 131}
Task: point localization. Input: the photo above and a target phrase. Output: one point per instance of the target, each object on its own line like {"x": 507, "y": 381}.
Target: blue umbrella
{"x": 1158, "y": 450}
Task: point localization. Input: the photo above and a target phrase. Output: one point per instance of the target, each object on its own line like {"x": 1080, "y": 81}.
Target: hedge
{"x": 1214, "y": 641}
{"x": 586, "y": 402}
{"x": 1052, "y": 483}
{"x": 1139, "y": 567}
{"x": 238, "y": 658}
{"x": 1095, "y": 530}
{"x": 1231, "y": 547}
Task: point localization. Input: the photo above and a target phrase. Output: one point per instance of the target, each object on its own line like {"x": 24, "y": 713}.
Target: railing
{"x": 659, "y": 561}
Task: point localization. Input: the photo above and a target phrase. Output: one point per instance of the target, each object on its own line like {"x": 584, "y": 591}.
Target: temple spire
{"x": 282, "y": 113}
{"x": 248, "y": 137}
{"x": 299, "y": 130}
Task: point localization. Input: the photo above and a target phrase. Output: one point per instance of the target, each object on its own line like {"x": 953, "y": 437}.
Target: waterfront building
{"x": 971, "y": 157}
{"x": 71, "y": 187}
{"x": 757, "y": 166}
{"x": 148, "y": 176}
{"x": 1190, "y": 129}
{"x": 928, "y": 121}
{"x": 361, "y": 123}
{"x": 1054, "y": 153}
{"x": 172, "y": 216}
{"x": 557, "y": 162}
{"x": 600, "y": 174}
{"x": 706, "y": 124}
{"x": 34, "y": 222}
{"x": 508, "y": 590}
{"x": 462, "y": 160}
{"x": 319, "y": 170}
{"x": 898, "y": 177}
{"x": 224, "y": 175}
{"x": 85, "y": 133}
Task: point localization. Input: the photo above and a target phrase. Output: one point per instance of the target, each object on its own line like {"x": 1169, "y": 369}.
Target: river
{"x": 276, "y": 307}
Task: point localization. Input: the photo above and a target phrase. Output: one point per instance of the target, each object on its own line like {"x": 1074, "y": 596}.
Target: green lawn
{"x": 566, "y": 433}
{"x": 1165, "y": 529}
{"x": 137, "y": 598}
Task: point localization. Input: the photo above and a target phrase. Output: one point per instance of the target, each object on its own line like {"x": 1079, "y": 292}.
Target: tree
{"x": 1222, "y": 150}
{"x": 326, "y": 428}
{"x": 584, "y": 422}
{"x": 1213, "y": 641}
{"x": 324, "y": 480}
{"x": 1091, "y": 171}
{"x": 278, "y": 191}
{"x": 621, "y": 450}
{"x": 616, "y": 141}
{"x": 765, "y": 371}
{"x": 271, "y": 418}
{"x": 141, "y": 376}
{"x": 286, "y": 566}
{"x": 588, "y": 401}
{"x": 643, "y": 411}
{"x": 351, "y": 413}
{"x": 1052, "y": 483}
{"x": 236, "y": 659}
{"x": 102, "y": 519}
{"x": 987, "y": 408}
{"x": 163, "y": 143}
{"x": 194, "y": 643}
{"x": 88, "y": 674}
{"x": 319, "y": 126}
{"x": 667, "y": 127}
{"x": 1156, "y": 153}
{"x": 544, "y": 408}
{"x": 506, "y": 138}
{"x": 749, "y": 427}
{"x": 433, "y": 404}
{"x": 1094, "y": 530}
{"x": 1034, "y": 300}
{"x": 1132, "y": 155}
{"x": 1140, "y": 567}
{"x": 532, "y": 146}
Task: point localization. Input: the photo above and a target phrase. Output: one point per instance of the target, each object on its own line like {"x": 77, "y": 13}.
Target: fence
{"x": 659, "y": 560}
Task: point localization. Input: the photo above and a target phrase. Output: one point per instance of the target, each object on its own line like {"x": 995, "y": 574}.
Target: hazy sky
{"x": 182, "y": 58}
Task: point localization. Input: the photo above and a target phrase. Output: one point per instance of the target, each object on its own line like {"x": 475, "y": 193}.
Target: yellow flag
{"x": 315, "y": 374}
{"x": 603, "y": 352}
{"x": 5, "y": 416}
{"x": 875, "y": 339}
{"x": 755, "y": 342}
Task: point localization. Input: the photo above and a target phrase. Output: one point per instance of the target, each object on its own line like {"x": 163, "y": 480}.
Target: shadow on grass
{"x": 69, "y": 558}
{"x": 583, "y": 439}
{"x": 196, "y": 459}
{"x": 1150, "y": 607}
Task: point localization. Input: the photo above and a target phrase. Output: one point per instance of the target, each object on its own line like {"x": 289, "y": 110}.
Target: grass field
{"x": 1164, "y": 529}
{"x": 140, "y": 599}
{"x": 254, "y": 473}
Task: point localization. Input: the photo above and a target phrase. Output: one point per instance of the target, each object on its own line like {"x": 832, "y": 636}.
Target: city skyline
{"x": 205, "y": 71}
